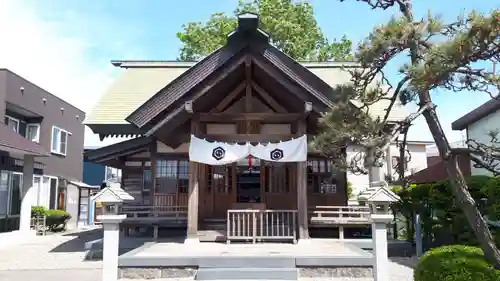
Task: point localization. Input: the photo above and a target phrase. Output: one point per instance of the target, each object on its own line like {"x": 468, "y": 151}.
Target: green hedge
{"x": 57, "y": 219}
{"x": 455, "y": 263}
{"x": 38, "y": 211}
{"x": 443, "y": 222}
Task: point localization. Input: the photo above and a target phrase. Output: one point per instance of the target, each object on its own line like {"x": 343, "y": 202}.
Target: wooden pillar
{"x": 152, "y": 151}
{"x": 192, "y": 227}
{"x": 302, "y": 210}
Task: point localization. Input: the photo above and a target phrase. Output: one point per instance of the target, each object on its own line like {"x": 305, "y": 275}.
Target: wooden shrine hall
{"x": 247, "y": 95}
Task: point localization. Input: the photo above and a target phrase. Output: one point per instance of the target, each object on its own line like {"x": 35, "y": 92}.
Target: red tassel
{"x": 249, "y": 162}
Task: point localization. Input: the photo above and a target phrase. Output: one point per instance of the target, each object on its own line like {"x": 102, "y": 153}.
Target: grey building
{"x": 35, "y": 122}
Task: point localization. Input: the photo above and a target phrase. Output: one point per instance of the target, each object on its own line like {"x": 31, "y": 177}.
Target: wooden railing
{"x": 171, "y": 199}
{"x": 339, "y": 216}
{"x": 259, "y": 225}
{"x": 143, "y": 211}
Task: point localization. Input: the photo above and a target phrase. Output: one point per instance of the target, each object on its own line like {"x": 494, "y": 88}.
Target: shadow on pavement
{"x": 405, "y": 261}
{"x": 77, "y": 244}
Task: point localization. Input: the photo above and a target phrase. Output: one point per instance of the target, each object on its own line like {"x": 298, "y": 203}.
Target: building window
{"x": 12, "y": 123}
{"x": 172, "y": 176}
{"x": 4, "y": 192}
{"x": 10, "y": 193}
{"x": 321, "y": 176}
{"x": 33, "y": 132}
{"x": 59, "y": 141}
{"x": 53, "y": 193}
{"x": 15, "y": 194}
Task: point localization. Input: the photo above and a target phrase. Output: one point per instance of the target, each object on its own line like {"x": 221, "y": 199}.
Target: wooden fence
{"x": 260, "y": 225}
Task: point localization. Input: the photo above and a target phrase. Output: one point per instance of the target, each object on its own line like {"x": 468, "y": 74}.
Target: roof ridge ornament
{"x": 248, "y": 21}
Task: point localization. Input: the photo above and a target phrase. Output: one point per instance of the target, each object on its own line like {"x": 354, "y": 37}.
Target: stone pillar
{"x": 110, "y": 244}
{"x": 379, "y": 237}
{"x": 27, "y": 193}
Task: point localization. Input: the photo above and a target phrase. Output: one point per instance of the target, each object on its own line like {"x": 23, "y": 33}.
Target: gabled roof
{"x": 15, "y": 143}
{"x": 148, "y": 89}
{"x": 477, "y": 114}
{"x": 140, "y": 80}
{"x": 246, "y": 43}
{"x": 118, "y": 149}
{"x": 383, "y": 194}
{"x": 112, "y": 194}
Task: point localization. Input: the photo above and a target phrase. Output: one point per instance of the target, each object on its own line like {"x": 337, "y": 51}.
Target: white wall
{"x": 479, "y": 131}
{"x": 418, "y": 162}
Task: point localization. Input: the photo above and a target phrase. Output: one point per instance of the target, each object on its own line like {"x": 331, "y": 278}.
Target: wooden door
{"x": 278, "y": 186}
{"x": 221, "y": 181}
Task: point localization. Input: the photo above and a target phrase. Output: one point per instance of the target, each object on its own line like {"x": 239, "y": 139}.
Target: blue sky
{"x": 79, "y": 38}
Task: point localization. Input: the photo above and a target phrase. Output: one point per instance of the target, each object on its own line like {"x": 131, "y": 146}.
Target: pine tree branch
{"x": 394, "y": 97}
{"x": 448, "y": 64}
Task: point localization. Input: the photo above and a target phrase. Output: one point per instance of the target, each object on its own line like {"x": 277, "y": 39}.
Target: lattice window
{"x": 321, "y": 176}
{"x": 277, "y": 177}
{"x": 220, "y": 178}
{"x": 183, "y": 176}
{"x": 172, "y": 176}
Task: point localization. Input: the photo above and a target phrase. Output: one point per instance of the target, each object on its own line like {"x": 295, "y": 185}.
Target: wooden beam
{"x": 302, "y": 189}
{"x": 153, "y": 151}
{"x": 284, "y": 81}
{"x": 224, "y": 104}
{"x": 246, "y": 137}
{"x": 268, "y": 99}
{"x": 248, "y": 86}
{"x": 175, "y": 112}
{"x": 276, "y": 118}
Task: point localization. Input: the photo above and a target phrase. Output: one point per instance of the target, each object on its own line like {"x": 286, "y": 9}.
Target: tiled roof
{"x": 141, "y": 80}
{"x": 14, "y": 142}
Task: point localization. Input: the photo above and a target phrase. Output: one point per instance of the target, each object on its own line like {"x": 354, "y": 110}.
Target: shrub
{"x": 38, "y": 211}
{"x": 349, "y": 190}
{"x": 455, "y": 263}
{"x": 57, "y": 219}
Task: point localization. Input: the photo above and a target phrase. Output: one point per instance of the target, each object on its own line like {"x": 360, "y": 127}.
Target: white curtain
{"x": 294, "y": 150}
{"x": 216, "y": 153}
{"x": 221, "y": 153}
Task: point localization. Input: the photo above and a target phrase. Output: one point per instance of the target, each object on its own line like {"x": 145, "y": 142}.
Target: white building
{"x": 477, "y": 124}
{"x": 418, "y": 161}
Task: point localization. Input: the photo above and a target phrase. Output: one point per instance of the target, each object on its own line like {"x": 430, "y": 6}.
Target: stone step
{"x": 248, "y": 262}
{"x": 247, "y": 274}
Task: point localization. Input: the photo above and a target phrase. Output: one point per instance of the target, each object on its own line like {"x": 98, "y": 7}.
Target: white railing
{"x": 259, "y": 225}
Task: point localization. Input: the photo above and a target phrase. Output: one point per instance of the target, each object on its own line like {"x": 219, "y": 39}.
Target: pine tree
{"x": 439, "y": 55}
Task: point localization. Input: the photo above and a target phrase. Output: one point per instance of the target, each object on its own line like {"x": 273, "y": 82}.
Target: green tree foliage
{"x": 443, "y": 222}
{"x": 291, "y": 26}
{"x": 438, "y": 55}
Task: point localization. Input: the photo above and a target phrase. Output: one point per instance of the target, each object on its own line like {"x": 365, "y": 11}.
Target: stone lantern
{"x": 110, "y": 198}
{"x": 378, "y": 200}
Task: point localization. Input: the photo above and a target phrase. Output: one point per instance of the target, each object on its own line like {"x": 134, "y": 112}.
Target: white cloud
{"x": 50, "y": 55}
